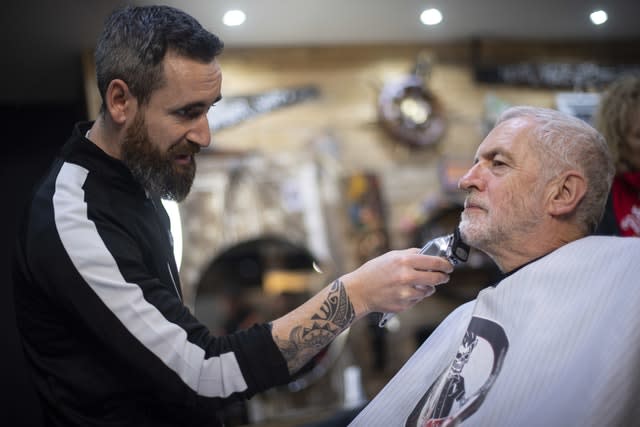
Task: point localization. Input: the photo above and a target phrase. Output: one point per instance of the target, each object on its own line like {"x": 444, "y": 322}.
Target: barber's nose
{"x": 200, "y": 133}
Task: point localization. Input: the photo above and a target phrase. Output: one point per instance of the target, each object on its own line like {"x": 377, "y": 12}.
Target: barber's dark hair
{"x": 135, "y": 40}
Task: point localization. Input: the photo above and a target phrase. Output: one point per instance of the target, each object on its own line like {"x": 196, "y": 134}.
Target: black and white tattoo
{"x": 337, "y": 308}
{"x": 336, "y": 314}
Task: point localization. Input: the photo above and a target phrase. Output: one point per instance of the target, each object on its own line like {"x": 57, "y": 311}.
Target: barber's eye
{"x": 189, "y": 113}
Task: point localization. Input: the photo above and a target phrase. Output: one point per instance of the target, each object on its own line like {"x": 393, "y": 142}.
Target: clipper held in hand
{"x": 451, "y": 247}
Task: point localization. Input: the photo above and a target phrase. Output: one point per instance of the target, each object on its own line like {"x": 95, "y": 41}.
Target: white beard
{"x": 495, "y": 235}
{"x": 475, "y": 231}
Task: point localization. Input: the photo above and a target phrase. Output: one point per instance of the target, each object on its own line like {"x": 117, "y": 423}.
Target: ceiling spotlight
{"x": 598, "y": 17}
{"x": 233, "y": 18}
{"x": 431, "y": 17}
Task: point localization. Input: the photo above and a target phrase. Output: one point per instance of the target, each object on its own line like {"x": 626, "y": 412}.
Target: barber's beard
{"x": 157, "y": 171}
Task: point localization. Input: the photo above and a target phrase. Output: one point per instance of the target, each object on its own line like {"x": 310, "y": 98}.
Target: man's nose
{"x": 469, "y": 179}
{"x": 200, "y": 133}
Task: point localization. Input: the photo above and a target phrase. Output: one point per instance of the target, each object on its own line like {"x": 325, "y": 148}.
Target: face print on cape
{"x": 460, "y": 390}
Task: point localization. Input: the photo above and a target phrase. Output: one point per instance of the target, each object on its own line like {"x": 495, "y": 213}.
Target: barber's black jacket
{"x": 100, "y": 310}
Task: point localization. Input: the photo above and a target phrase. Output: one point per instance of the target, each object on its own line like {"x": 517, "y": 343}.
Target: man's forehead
{"x": 187, "y": 80}
{"x": 505, "y": 138}
{"x": 180, "y": 69}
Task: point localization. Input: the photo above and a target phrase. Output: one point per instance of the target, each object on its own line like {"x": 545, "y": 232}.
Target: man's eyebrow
{"x": 199, "y": 104}
{"x": 215, "y": 101}
{"x": 493, "y": 153}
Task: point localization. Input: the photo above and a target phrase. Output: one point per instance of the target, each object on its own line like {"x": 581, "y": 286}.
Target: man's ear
{"x": 119, "y": 101}
{"x": 566, "y": 192}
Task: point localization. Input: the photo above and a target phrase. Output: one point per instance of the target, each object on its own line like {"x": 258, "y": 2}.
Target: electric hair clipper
{"x": 451, "y": 247}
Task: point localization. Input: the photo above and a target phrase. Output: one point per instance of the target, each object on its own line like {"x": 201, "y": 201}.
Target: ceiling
{"x": 44, "y": 38}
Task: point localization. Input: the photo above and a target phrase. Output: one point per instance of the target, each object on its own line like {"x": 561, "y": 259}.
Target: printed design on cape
{"x": 459, "y": 391}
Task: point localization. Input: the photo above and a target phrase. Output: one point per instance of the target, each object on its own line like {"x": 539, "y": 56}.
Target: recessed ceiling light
{"x": 598, "y": 17}
{"x": 233, "y": 18}
{"x": 431, "y": 17}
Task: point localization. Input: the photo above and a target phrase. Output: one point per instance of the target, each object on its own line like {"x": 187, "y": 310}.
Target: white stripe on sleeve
{"x": 211, "y": 377}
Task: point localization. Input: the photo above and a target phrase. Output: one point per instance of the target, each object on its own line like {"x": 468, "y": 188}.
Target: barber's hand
{"x": 395, "y": 281}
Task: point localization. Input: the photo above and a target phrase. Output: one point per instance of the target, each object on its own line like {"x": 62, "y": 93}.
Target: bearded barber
{"x": 98, "y": 297}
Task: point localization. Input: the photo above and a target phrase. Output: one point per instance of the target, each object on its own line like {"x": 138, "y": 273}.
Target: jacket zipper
{"x": 173, "y": 281}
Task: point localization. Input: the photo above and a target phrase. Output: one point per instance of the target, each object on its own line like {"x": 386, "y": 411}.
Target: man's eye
{"x": 189, "y": 113}
{"x": 497, "y": 163}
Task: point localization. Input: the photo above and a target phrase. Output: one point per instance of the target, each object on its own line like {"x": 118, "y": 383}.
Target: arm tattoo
{"x": 336, "y": 314}
{"x": 337, "y": 308}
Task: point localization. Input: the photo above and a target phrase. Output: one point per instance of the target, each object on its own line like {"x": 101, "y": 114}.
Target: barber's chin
{"x": 187, "y": 169}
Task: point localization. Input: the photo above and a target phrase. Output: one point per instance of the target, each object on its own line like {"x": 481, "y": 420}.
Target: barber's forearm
{"x": 301, "y": 334}
{"x": 391, "y": 282}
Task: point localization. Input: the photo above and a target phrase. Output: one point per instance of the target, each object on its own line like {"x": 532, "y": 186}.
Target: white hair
{"x": 564, "y": 142}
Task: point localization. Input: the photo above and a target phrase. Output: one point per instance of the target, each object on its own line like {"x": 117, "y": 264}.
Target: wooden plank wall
{"x": 349, "y": 79}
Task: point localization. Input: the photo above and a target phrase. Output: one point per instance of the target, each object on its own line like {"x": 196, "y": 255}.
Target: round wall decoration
{"x": 410, "y": 112}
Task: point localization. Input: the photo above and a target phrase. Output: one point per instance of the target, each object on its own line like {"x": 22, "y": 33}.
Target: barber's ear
{"x": 119, "y": 101}
{"x": 566, "y": 192}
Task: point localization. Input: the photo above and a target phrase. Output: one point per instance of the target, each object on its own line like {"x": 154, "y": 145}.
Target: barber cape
{"x": 556, "y": 343}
